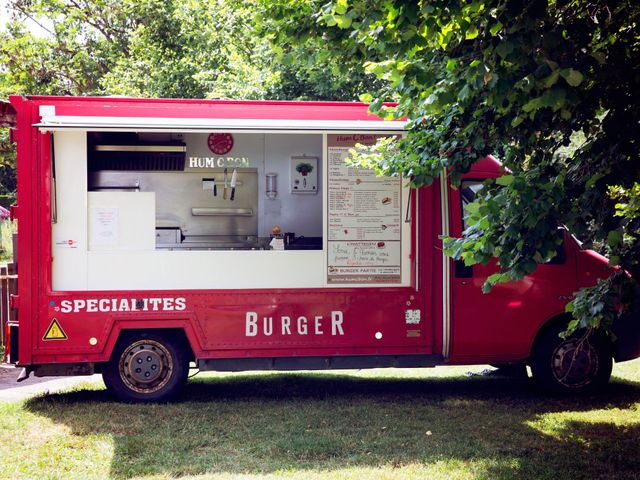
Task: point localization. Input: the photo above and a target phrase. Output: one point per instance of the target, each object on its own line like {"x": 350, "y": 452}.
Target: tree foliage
{"x": 548, "y": 87}
{"x": 314, "y": 63}
{"x": 165, "y": 48}
{"x": 137, "y": 48}
{"x": 170, "y": 48}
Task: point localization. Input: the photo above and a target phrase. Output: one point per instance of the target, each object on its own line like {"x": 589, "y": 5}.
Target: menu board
{"x": 364, "y": 218}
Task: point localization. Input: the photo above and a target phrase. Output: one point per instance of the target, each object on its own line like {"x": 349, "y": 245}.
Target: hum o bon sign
{"x": 220, "y": 144}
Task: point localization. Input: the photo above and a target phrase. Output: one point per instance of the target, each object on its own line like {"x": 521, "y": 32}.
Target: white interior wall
{"x": 298, "y": 213}
{"x": 69, "y": 233}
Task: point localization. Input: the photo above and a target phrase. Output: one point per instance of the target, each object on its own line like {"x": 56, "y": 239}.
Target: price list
{"x": 364, "y": 219}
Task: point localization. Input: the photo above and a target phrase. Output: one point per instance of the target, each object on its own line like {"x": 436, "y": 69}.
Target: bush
{"x": 8, "y": 199}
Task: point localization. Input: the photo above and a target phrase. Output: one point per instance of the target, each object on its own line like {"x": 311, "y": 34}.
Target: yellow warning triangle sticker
{"x": 55, "y": 332}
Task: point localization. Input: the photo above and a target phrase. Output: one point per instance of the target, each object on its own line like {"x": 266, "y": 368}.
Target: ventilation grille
{"x": 137, "y": 157}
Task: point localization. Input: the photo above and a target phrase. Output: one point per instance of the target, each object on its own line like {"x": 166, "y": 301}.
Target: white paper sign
{"x": 277, "y": 243}
{"x": 104, "y": 226}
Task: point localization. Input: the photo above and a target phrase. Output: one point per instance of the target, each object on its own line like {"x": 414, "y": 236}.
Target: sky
{"x": 4, "y": 18}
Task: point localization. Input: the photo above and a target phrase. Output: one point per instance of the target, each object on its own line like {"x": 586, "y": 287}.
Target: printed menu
{"x": 364, "y": 218}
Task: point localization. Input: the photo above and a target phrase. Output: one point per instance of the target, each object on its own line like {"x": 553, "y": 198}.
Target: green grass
{"x": 391, "y": 424}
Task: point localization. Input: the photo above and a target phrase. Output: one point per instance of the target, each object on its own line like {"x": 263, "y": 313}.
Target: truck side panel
{"x": 83, "y": 326}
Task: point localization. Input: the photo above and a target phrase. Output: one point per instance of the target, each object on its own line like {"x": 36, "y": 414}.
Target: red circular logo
{"x": 220, "y": 143}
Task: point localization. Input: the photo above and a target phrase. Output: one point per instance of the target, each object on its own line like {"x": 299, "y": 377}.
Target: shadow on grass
{"x": 259, "y": 424}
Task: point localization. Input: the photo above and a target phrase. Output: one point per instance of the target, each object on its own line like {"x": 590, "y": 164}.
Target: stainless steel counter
{"x": 209, "y": 242}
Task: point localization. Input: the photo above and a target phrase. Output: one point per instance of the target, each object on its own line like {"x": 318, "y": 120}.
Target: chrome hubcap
{"x": 146, "y": 366}
{"x": 575, "y": 363}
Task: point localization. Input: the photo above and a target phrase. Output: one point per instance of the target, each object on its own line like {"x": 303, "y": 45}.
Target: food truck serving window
{"x": 216, "y": 191}
{"x": 223, "y": 210}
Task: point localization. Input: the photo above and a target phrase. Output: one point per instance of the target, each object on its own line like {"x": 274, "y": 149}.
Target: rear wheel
{"x": 580, "y": 363}
{"x": 146, "y": 368}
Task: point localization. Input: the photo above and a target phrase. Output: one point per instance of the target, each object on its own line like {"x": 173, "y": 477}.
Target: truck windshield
{"x": 468, "y": 192}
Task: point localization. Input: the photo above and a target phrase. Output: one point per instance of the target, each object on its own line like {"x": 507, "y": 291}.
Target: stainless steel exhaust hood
{"x": 139, "y": 156}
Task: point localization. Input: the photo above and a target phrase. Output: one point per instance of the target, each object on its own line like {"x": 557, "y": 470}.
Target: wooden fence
{"x": 9, "y": 286}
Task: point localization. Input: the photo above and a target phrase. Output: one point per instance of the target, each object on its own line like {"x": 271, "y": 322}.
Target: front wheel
{"x": 146, "y": 368}
{"x": 580, "y": 363}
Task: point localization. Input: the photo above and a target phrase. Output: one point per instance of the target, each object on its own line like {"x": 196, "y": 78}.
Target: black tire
{"x": 581, "y": 363}
{"x": 146, "y": 368}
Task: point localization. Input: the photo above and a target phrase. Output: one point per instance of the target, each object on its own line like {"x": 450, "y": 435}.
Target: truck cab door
{"x": 501, "y": 325}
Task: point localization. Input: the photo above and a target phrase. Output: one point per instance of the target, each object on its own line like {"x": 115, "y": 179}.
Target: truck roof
{"x": 147, "y": 113}
{"x": 163, "y": 114}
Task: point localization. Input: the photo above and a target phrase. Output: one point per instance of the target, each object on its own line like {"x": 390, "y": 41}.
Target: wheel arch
{"x": 550, "y": 324}
{"x": 183, "y": 334}
{"x": 175, "y": 334}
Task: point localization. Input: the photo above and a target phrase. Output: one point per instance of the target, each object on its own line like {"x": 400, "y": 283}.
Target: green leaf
{"x": 495, "y": 28}
{"x": 551, "y": 79}
{"x": 375, "y": 105}
{"x": 554, "y": 98}
{"x": 552, "y": 65}
{"x": 366, "y": 97}
{"x": 340, "y": 7}
{"x": 530, "y": 266}
{"x": 472, "y": 207}
{"x": 342, "y": 21}
{"x": 505, "y": 180}
{"x": 464, "y": 93}
{"x": 532, "y": 105}
{"x": 594, "y": 179}
{"x": 472, "y": 33}
{"x": 614, "y": 260}
{"x": 329, "y": 20}
{"x": 573, "y": 77}
{"x": 504, "y": 49}
{"x": 614, "y": 238}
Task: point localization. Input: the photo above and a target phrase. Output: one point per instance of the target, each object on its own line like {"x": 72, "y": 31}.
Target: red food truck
{"x": 154, "y": 233}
